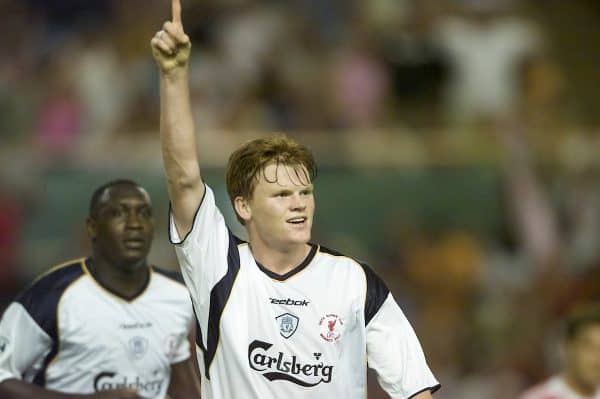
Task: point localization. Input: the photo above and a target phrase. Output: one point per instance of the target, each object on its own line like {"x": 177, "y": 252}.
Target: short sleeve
{"x": 394, "y": 352}
{"x": 202, "y": 253}
{"x": 23, "y": 343}
{"x": 209, "y": 261}
{"x": 183, "y": 349}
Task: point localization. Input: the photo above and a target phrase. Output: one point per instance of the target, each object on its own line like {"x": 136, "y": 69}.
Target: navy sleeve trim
{"x": 219, "y": 296}
{"x": 41, "y": 299}
{"x": 330, "y": 251}
{"x": 193, "y": 220}
{"x": 199, "y": 341}
{"x": 432, "y": 389}
{"x": 377, "y": 293}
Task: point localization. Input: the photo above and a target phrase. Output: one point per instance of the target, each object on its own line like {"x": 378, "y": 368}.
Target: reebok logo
{"x": 289, "y": 302}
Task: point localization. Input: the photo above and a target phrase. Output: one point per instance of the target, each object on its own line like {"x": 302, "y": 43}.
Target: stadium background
{"x": 457, "y": 142}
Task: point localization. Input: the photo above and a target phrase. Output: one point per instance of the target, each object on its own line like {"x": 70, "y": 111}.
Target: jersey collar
{"x": 294, "y": 271}
{"x": 89, "y": 269}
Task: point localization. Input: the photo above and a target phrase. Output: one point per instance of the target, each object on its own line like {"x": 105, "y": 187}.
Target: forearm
{"x": 171, "y": 50}
{"x": 423, "y": 395}
{"x": 177, "y": 130}
{"x": 185, "y": 381}
{"x": 17, "y": 389}
{"x": 179, "y": 151}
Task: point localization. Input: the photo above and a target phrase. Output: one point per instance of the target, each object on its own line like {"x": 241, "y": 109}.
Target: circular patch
{"x": 331, "y": 327}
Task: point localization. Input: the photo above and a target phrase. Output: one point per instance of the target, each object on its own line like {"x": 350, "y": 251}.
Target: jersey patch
{"x": 288, "y": 323}
{"x": 331, "y": 327}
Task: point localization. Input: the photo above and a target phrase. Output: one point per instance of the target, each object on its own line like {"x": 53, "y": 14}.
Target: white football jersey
{"x": 68, "y": 333}
{"x": 307, "y": 334}
{"x": 554, "y": 388}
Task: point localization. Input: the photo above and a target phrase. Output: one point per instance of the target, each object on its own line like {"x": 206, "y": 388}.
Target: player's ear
{"x": 91, "y": 227}
{"x": 242, "y": 208}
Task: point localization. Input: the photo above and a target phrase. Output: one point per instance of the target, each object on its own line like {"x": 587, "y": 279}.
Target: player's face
{"x": 583, "y": 355}
{"x": 123, "y": 227}
{"x": 282, "y": 206}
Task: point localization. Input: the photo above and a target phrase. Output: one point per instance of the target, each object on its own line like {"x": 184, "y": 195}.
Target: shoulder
{"x": 363, "y": 268}
{"x": 168, "y": 283}
{"x": 41, "y": 298}
{"x": 340, "y": 258}
{"x": 375, "y": 290}
{"x": 53, "y": 282}
{"x": 169, "y": 275}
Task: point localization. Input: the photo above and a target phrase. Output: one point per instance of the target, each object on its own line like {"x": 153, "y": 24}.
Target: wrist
{"x": 174, "y": 74}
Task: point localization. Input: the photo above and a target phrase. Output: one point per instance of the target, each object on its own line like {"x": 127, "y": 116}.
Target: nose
{"x": 133, "y": 221}
{"x": 298, "y": 202}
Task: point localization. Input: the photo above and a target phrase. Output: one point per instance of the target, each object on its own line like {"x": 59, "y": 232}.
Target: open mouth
{"x": 134, "y": 243}
{"x": 297, "y": 221}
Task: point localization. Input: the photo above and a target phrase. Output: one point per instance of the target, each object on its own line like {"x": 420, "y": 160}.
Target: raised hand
{"x": 170, "y": 45}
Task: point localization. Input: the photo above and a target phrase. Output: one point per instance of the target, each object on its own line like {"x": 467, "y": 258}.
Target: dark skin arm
{"x": 184, "y": 381}
{"x": 185, "y": 376}
{"x": 17, "y": 389}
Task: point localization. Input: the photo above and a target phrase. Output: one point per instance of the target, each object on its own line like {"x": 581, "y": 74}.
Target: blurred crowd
{"x": 77, "y": 81}
{"x": 82, "y": 67}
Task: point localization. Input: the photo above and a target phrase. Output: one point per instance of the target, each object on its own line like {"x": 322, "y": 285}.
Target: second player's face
{"x": 282, "y": 206}
{"x": 583, "y": 355}
{"x": 124, "y": 227}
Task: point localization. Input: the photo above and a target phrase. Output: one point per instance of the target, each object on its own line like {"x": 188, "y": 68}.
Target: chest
{"x": 315, "y": 309}
{"x": 117, "y": 331}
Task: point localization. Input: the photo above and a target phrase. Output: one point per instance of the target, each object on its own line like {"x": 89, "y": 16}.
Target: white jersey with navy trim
{"x": 307, "y": 334}
{"x": 68, "y": 333}
{"x": 555, "y": 387}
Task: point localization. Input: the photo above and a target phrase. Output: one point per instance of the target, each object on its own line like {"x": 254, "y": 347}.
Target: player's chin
{"x": 300, "y": 236}
{"x": 134, "y": 255}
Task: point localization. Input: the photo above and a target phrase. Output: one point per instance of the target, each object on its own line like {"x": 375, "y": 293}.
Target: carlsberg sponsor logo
{"x": 110, "y": 380}
{"x": 279, "y": 366}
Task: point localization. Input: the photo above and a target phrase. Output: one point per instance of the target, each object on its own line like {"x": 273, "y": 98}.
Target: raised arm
{"x": 171, "y": 50}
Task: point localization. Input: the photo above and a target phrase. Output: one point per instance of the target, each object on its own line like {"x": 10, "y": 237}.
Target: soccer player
{"x": 580, "y": 378}
{"x": 108, "y": 326}
{"x": 279, "y": 317}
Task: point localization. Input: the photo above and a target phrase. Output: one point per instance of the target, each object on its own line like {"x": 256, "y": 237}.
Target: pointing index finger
{"x": 176, "y": 11}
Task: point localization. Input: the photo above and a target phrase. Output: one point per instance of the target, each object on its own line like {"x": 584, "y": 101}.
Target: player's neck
{"x": 279, "y": 260}
{"x": 125, "y": 283}
{"x": 579, "y": 386}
